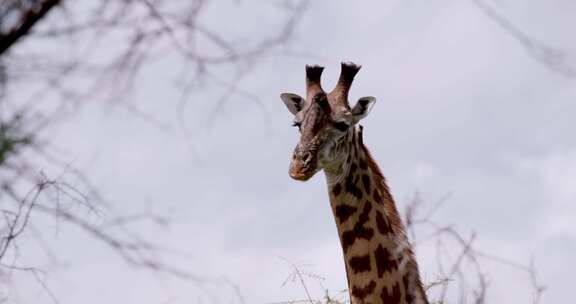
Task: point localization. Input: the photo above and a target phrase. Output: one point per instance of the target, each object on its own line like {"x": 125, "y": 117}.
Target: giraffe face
{"x": 322, "y": 123}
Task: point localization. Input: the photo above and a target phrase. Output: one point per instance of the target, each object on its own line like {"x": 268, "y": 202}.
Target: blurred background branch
{"x": 57, "y": 56}
{"x": 557, "y": 60}
{"x": 459, "y": 276}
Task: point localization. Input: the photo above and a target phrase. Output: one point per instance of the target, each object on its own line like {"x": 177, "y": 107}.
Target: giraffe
{"x": 380, "y": 263}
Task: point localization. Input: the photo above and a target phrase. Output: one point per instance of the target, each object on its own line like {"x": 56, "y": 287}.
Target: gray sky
{"x": 462, "y": 109}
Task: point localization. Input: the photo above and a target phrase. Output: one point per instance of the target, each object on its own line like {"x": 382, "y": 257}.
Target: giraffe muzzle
{"x": 303, "y": 165}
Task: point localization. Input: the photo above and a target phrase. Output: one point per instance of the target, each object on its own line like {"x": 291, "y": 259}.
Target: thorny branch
{"x": 61, "y": 202}
{"x": 299, "y": 275}
{"x": 113, "y": 45}
{"x": 460, "y": 279}
{"x": 30, "y": 13}
{"x": 465, "y": 270}
{"x": 55, "y": 57}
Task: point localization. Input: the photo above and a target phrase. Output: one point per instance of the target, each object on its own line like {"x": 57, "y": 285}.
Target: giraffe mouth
{"x": 300, "y": 176}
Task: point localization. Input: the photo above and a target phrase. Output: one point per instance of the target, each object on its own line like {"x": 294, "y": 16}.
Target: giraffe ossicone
{"x": 380, "y": 263}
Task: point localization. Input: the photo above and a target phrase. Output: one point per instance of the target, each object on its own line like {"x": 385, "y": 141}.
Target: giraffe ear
{"x": 363, "y": 107}
{"x": 293, "y": 102}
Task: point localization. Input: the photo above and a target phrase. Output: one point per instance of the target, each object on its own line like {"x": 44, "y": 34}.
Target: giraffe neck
{"x": 380, "y": 264}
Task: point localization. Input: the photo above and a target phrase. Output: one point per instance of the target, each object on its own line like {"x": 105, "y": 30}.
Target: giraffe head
{"x": 323, "y": 120}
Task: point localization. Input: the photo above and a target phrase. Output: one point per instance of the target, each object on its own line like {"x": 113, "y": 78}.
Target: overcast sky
{"x": 463, "y": 109}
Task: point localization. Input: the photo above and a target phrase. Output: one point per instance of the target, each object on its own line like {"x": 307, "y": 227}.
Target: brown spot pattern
{"x": 337, "y": 189}
{"x": 360, "y": 263}
{"x": 348, "y": 238}
{"x": 391, "y": 297}
{"x": 408, "y": 295}
{"x": 350, "y": 184}
{"x": 343, "y": 212}
{"x": 364, "y": 216}
{"x": 359, "y": 231}
{"x": 366, "y": 182}
{"x": 384, "y": 261}
{"x": 363, "y": 292}
{"x": 377, "y": 196}
{"x": 382, "y": 224}
{"x": 363, "y": 164}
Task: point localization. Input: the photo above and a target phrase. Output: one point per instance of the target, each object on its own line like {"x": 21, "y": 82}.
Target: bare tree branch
{"x": 97, "y": 54}
{"x": 29, "y": 18}
{"x": 461, "y": 277}
{"x": 557, "y": 60}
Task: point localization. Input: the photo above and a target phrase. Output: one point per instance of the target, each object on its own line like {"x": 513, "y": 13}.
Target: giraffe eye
{"x": 341, "y": 126}
{"x": 297, "y": 124}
